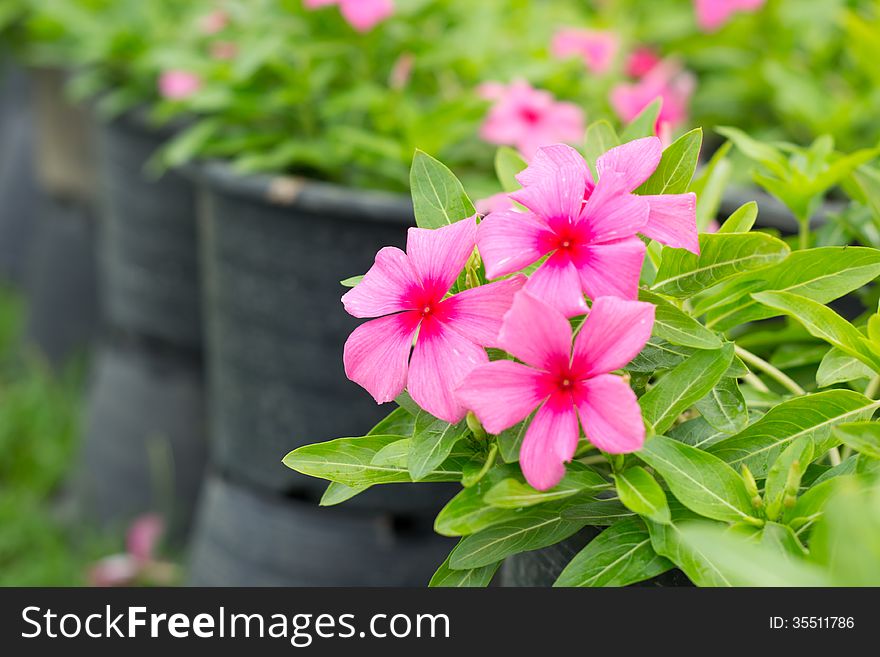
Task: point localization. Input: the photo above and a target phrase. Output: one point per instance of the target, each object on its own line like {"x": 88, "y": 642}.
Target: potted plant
{"x": 655, "y": 430}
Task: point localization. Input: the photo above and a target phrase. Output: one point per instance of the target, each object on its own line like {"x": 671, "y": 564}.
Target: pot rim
{"x": 304, "y": 193}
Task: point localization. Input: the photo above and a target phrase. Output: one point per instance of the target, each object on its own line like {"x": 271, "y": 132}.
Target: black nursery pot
{"x": 274, "y": 250}
{"x": 148, "y": 250}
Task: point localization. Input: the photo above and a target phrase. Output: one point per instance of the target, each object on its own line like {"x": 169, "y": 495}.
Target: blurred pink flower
{"x": 138, "y": 562}
{"x": 666, "y": 81}
{"x": 528, "y": 118}
{"x": 214, "y": 22}
{"x": 641, "y": 61}
{"x": 401, "y": 72}
{"x": 362, "y": 15}
{"x": 178, "y": 85}
{"x": 223, "y": 50}
{"x": 712, "y": 14}
{"x": 494, "y": 203}
{"x": 563, "y": 384}
{"x": 596, "y": 47}
{"x": 406, "y": 292}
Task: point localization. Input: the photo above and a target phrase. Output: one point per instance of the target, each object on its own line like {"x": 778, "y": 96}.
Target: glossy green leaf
{"x": 724, "y": 408}
{"x": 677, "y": 327}
{"x": 643, "y": 125}
{"x": 351, "y": 281}
{"x": 508, "y": 163}
{"x": 512, "y": 493}
{"x": 722, "y": 256}
{"x": 741, "y": 220}
{"x": 863, "y": 437}
{"x": 758, "y": 445}
{"x": 337, "y": 493}
{"x": 438, "y": 197}
{"x": 682, "y": 386}
{"x": 784, "y": 476}
{"x": 700, "y": 481}
{"x": 510, "y": 441}
{"x": 676, "y": 169}
{"x": 467, "y": 513}
{"x": 446, "y": 577}
{"x": 598, "y": 513}
{"x": 432, "y": 441}
{"x": 619, "y": 556}
{"x": 641, "y": 493}
{"x": 838, "y": 367}
{"x": 601, "y": 138}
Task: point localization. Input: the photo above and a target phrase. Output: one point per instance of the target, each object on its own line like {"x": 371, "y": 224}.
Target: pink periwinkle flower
{"x": 528, "y": 118}
{"x": 563, "y": 384}
{"x": 224, "y": 50}
{"x": 407, "y": 292}
{"x": 401, "y": 72}
{"x": 178, "y": 85}
{"x": 596, "y": 47}
{"x": 214, "y": 22}
{"x": 139, "y": 561}
{"x": 641, "y": 61}
{"x": 666, "y": 81}
{"x": 587, "y": 229}
{"x": 362, "y": 15}
{"x": 712, "y": 14}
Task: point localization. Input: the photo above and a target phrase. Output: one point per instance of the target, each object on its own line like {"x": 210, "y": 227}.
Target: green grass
{"x": 39, "y": 421}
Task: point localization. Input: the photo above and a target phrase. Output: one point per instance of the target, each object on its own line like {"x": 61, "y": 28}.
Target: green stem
{"x": 777, "y": 375}
{"x": 756, "y": 382}
{"x": 804, "y": 234}
{"x": 873, "y": 387}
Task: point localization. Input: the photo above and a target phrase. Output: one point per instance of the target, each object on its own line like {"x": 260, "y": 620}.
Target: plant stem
{"x": 777, "y": 375}
{"x": 756, "y": 382}
{"x": 873, "y": 387}
{"x": 804, "y": 234}
{"x": 833, "y": 456}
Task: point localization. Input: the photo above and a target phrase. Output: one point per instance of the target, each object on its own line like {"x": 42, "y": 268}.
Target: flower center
{"x": 427, "y": 310}
{"x": 530, "y": 115}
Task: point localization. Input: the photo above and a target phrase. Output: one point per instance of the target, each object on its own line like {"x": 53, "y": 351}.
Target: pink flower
{"x": 494, "y": 203}
{"x": 451, "y": 331}
{"x": 712, "y": 14}
{"x": 640, "y": 61}
{"x": 362, "y": 15}
{"x": 401, "y": 72}
{"x": 178, "y": 85}
{"x": 214, "y": 22}
{"x": 138, "y": 562}
{"x": 588, "y": 229}
{"x": 597, "y": 48}
{"x": 223, "y": 50}
{"x": 528, "y": 118}
{"x": 562, "y": 384}
{"x": 665, "y": 81}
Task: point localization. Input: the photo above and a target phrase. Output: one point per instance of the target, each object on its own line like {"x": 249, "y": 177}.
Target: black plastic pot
{"x": 144, "y": 437}
{"x": 245, "y": 538}
{"x": 148, "y": 247}
{"x": 540, "y": 568}
{"x": 274, "y": 250}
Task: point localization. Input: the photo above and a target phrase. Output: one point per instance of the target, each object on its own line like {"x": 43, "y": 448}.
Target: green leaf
{"x": 349, "y": 461}
{"x": 722, "y": 256}
{"x": 338, "y": 493}
{"x": 863, "y": 437}
{"x": 643, "y": 125}
{"x": 810, "y": 505}
{"x": 681, "y": 387}
{"x": 598, "y": 513}
{"x": 742, "y": 562}
{"x": 823, "y": 323}
{"x": 432, "y": 441}
{"x": 399, "y": 422}
{"x": 676, "y": 169}
{"x": 759, "y": 444}
{"x": 784, "y": 476}
{"x": 601, "y": 138}
{"x": 666, "y": 539}
{"x": 821, "y": 274}
{"x": 696, "y": 433}
{"x": 467, "y": 513}
{"x": 619, "y": 556}
{"x": 640, "y": 492}
{"x": 531, "y": 529}
{"x": 768, "y": 155}
{"x": 512, "y": 493}
{"x": 742, "y": 219}
{"x": 710, "y": 184}
{"x": 351, "y": 281}
{"x": 468, "y": 578}
{"x": 510, "y": 440}
{"x": 724, "y": 408}
{"x": 508, "y": 163}
{"x": 677, "y": 327}
{"x": 478, "y": 467}
{"x": 438, "y": 197}
{"x": 700, "y": 481}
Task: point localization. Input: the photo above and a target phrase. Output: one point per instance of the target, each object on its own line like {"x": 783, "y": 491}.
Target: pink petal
{"x": 635, "y": 160}
{"x": 610, "y": 415}
{"x": 549, "y": 160}
{"x": 510, "y": 240}
{"x": 441, "y": 360}
{"x": 672, "y": 220}
{"x": 558, "y": 197}
{"x": 611, "y": 213}
{"x": 144, "y": 535}
{"x": 389, "y": 286}
{"x": 611, "y": 268}
{"x": 438, "y": 256}
{"x": 376, "y": 354}
{"x": 364, "y": 15}
{"x": 535, "y": 333}
{"x": 477, "y": 313}
{"x": 502, "y": 393}
{"x": 550, "y": 441}
{"x": 494, "y": 203}
{"x": 557, "y": 282}
{"x": 613, "y": 333}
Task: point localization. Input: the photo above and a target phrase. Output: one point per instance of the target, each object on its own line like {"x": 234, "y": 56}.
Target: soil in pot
{"x": 149, "y": 282}
{"x": 250, "y": 538}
